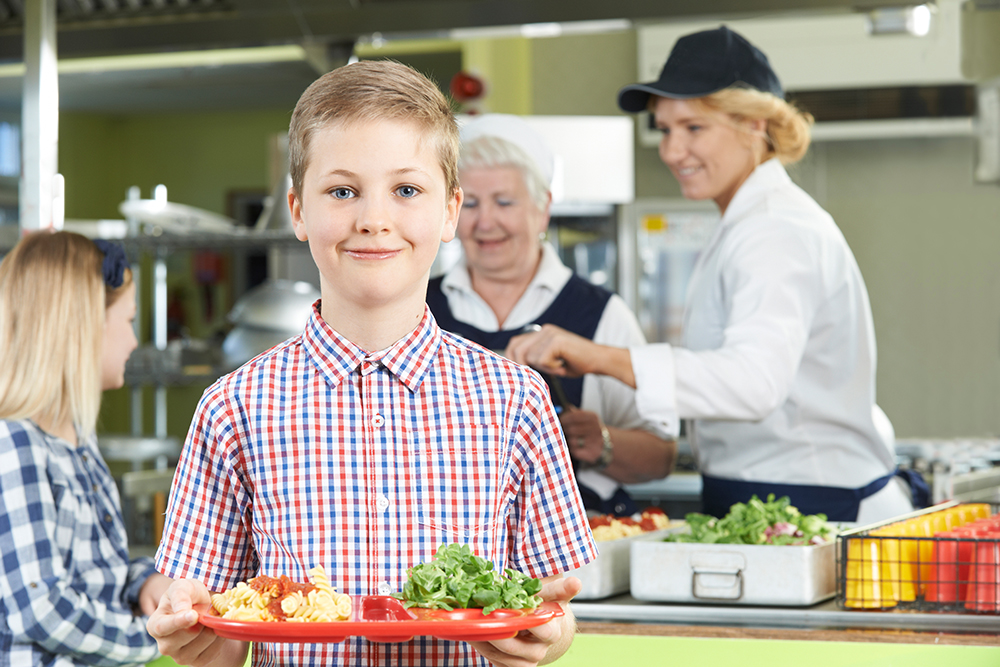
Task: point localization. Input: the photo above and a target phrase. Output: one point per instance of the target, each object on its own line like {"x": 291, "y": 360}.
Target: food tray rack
{"x": 944, "y": 558}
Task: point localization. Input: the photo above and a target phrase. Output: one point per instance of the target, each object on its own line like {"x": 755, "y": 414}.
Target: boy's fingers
{"x": 561, "y": 590}
{"x": 164, "y": 625}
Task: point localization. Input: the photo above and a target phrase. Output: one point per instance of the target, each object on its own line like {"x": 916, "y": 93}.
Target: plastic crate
{"x": 944, "y": 558}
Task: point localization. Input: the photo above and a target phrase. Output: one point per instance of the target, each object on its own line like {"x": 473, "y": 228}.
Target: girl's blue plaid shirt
{"x": 68, "y": 585}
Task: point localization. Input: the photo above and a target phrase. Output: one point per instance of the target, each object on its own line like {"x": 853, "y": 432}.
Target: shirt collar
{"x": 767, "y": 176}
{"x": 336, "y": 357}
{"x": 551, "y": 274}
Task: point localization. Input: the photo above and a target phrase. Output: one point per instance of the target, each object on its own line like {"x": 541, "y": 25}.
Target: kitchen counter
{"x": 824, "y": 621}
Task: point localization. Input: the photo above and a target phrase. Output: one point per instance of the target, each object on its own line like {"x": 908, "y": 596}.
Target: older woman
{"x": 510, "y": 278}
{"x": 777, "y": 368}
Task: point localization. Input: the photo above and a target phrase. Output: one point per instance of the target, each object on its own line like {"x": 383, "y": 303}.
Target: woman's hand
{"x": 174, "y": 625}
{"x": 552, "y": 350}
{"x": 152, "y": 590}
{"x": 556, "y": 351}
{"x": 541, "y": 644}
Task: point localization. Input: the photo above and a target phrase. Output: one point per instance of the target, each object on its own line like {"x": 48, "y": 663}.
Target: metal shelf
{"x": 239, "y": 239}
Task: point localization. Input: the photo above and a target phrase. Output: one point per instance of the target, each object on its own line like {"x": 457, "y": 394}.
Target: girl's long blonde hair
{"x": 52, "y": 307}
{"x": 789, "y": 129}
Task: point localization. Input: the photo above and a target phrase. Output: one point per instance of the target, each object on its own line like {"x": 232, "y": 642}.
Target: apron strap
{"x": 837, "y": 503}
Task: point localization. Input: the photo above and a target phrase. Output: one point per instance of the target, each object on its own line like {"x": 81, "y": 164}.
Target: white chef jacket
{"x": 777, "y": 367}
{"x": 612, "y": 400}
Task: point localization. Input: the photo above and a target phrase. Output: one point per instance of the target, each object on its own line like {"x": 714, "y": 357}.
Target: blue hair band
{"x": 114, "y": 264}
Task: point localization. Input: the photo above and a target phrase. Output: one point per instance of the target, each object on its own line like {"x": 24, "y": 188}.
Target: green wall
{"x": 201, "y": 158}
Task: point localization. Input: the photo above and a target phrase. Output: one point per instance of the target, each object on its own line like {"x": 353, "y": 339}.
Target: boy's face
{"x": 374, "y": 209}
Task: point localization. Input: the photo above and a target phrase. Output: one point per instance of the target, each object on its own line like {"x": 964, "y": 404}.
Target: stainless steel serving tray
{"x": 608, "y": 574}
{"x": 733, "y": 573}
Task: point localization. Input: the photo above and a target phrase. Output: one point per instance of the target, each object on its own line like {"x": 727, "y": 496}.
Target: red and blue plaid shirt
{"x": 319, "y": 453}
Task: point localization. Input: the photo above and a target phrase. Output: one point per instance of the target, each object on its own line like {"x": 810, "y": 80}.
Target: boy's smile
{"x": 374, "y": 210}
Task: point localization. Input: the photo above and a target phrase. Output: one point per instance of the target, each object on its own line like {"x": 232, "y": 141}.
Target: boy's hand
{"x": 543, "y": 644}
{"x": 174, "y": 625}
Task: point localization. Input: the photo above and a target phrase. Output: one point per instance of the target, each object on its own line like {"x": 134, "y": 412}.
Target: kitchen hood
{"x": 942, "y": 83}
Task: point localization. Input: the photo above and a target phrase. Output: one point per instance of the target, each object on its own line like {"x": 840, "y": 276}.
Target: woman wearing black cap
{"x": 777, "y": 367}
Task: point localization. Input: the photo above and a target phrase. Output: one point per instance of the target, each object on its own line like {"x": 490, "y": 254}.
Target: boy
{"x": 372, "y": 438}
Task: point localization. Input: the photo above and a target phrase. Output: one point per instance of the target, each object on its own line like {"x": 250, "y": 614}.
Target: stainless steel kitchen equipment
{"x": 665, "y": 237}
{"x": 734, "y": 574}
{"x": 265, "y": 316}
{"x": 609, "y": 573}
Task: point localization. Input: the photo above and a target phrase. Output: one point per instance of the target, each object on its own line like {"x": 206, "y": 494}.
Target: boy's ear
{"x": 295, "y": 208}
{"x": 452, "y": 211}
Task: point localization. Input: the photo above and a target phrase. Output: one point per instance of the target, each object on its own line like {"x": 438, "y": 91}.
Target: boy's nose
{"x": 373, "y": 216}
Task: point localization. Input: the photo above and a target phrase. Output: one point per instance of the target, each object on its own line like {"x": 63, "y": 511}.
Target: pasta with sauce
{"x": 270, "y": 599}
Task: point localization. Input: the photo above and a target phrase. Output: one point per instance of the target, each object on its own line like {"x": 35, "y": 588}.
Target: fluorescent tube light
{"x": 206, "y": 58}
{"x": 915, "y": 20}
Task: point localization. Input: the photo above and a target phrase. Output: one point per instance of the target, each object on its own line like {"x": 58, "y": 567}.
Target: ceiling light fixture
{"x": 146, "y": 61}
{"x": 915, "y": 20}
{"x": 532, "y": 30}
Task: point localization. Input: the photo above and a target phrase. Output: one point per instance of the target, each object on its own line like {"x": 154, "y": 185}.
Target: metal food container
{"x": 608, "y": 574}
{"x": 733, "y": 573}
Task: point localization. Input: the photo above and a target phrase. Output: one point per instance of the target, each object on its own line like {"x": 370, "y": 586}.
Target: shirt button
{"x": 378, "y": 420}
{"x": 94, "y": 487}
{"x": 107, "y": 518}
{"x": 382, "y": 503}
{"x": 383, "y": 589}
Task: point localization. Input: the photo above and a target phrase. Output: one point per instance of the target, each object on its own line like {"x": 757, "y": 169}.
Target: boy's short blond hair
{"x": 52, "y": 308}
{"x": 372, "y": 90}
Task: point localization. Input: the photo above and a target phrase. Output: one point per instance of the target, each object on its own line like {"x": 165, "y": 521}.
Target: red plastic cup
{"x": 984, "y": 584}
{"x": 943, "y": 576}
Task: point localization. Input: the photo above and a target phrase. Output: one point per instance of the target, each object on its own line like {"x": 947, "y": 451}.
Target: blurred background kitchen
{"x": 168, "y": 132}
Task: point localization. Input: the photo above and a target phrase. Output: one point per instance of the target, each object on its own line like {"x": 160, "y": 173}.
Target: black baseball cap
{"x": 703, "y": 63}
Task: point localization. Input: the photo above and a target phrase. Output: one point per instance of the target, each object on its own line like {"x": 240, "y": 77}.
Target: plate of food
{"x": 456, "y": 596}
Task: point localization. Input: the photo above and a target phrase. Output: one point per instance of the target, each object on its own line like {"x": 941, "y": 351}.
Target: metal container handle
{"x": 702, "y": 581}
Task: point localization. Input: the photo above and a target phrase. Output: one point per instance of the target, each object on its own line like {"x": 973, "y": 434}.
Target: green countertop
{"x": 592, "y": 650}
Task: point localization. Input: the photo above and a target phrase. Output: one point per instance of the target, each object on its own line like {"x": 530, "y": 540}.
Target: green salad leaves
{"x": 759, "y": 522}
{"x": 456, "y": 578}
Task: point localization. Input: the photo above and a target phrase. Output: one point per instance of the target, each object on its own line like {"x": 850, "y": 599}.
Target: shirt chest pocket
{"x": 460, "y": 478}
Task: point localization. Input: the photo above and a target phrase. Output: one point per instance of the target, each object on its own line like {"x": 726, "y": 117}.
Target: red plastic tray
{"x": 384, "y": 619}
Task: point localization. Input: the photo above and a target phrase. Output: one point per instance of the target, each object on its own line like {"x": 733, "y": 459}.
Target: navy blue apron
{"x": 577, "y": 308}
{"x": 837, "y": 503}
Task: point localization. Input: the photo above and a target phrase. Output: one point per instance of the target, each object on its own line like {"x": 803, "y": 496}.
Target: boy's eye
{"x": 407, "y": 191}
{"x": 342, "y": 193}
{"x": 469, "y": 202}
{"x": 505, "y": 202}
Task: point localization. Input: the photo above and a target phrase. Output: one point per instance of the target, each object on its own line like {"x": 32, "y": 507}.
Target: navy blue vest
{"x": 577, "y": 308}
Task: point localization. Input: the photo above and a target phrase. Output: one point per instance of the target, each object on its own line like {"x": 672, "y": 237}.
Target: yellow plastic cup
{"x": 900, "y": 561}
{"x": 980, "y": 510}
{"x": 866, "y": 587}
